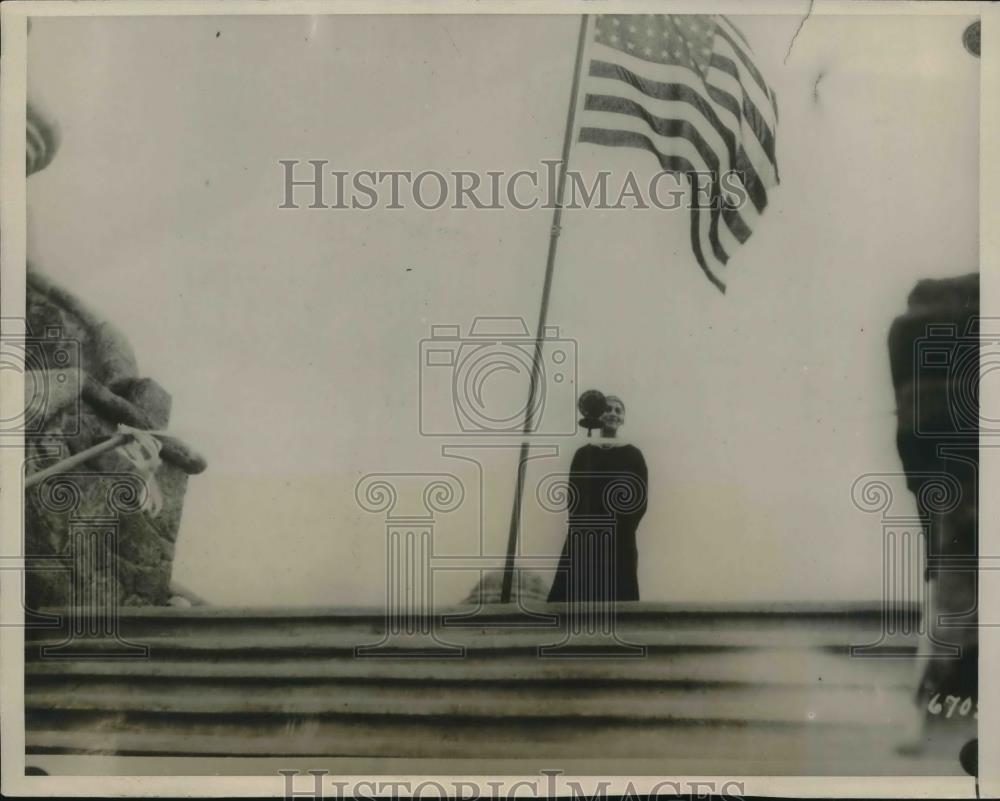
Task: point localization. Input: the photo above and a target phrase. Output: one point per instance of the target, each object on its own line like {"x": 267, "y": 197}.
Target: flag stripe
{"x": 626, "y": 138}
{"x": 699, "y": 255}
{"x": 724, "y": 73}
{"x": 687, "y": 154}
{"x": 758, "y": 124}
{"x": 623, "y": 137}
{"x": 764, "y": 96}
{"x": 660, "y": 145}
{"x": 754, "y": 158}
{"x": 734, "y": 30}
{"x": 665, "y": 98}
{"x": 637, "y": 119}
{"x": 727, "y": 49}
{"x": 715, "y": 134}
{"x": 665, "y": 93}
{"x": 745, "y": 59}
{"x": 728, "y": 25}
{"x": 665, "y": 73}
{"x": 666, "y": 128}
{"x": 704, "y": 157}
{"x": 672, "y": 83}
{"x": 720, "y": 90}
{"x": 727, "y": 236}
{"x": 736, "y": 225}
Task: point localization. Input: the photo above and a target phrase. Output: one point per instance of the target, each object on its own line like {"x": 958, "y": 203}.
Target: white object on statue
{"x": 143, "y": 450}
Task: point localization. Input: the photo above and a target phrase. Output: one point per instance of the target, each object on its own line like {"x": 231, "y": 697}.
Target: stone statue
{"x": 81, "y": 383}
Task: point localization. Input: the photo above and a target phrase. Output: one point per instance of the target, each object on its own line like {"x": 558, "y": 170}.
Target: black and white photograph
{"x": 494, "y": 391}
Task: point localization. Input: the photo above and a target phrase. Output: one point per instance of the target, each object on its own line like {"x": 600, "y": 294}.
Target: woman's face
{"x": 614, "y": 417}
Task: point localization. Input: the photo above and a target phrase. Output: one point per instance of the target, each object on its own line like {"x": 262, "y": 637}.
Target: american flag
{"x": 685, "y": 88}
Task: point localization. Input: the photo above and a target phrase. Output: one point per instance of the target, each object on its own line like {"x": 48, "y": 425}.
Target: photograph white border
{"x": 12, "y": 295}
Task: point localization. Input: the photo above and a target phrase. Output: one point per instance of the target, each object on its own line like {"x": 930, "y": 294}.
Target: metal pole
{"x": 515, "y": 515}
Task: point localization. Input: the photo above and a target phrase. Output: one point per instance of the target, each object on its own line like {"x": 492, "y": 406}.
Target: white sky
{"x": 289, "y": 339}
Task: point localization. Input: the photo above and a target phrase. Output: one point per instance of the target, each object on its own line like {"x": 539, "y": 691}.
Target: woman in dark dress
{"x": 607, "y": 499}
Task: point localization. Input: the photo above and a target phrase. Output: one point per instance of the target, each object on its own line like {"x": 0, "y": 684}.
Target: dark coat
{"x": 608, "y": 495}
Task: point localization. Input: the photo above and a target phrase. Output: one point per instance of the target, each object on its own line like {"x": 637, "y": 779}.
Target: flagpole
{"x": 515, "y": 515}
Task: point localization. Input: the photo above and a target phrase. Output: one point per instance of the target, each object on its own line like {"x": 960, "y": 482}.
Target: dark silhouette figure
{"x": 607, "y": 499}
